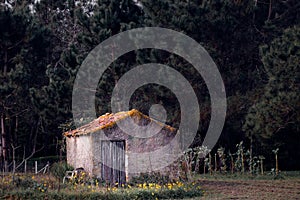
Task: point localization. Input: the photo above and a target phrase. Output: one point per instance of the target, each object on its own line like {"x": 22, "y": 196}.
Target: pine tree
{"x": 95, "y": 23}
{"x": 274, "y": 119}
{"x": 25, "y": 47}
{"x": 232, "y": 32}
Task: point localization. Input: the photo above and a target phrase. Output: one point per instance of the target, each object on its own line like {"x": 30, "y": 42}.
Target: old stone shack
{"x": 106, "y": 151}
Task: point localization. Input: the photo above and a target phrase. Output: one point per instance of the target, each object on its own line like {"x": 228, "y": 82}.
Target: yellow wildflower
{"x": 145, "y": 186}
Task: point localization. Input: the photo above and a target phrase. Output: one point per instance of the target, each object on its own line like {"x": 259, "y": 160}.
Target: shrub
{"x": 154, "y": 177}
{"x": 59, "y": 169}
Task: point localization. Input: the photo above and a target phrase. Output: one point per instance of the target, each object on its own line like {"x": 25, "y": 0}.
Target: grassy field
{"x": 285, "y": 186}
{"x": 217, "y": 186}
{"x": 31, "y": 186}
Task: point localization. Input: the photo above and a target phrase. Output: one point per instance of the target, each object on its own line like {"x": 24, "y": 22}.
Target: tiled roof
{"x": 106, "y": 121}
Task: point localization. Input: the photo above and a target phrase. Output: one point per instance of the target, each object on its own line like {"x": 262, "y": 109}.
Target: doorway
{"x": 113, "y": 161}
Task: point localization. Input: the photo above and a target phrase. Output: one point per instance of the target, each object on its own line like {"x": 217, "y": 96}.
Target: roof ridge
{"x": 108, "y": 120}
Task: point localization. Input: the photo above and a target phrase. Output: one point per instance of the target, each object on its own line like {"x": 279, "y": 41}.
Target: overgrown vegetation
{"x": 59, "y": 169}
{"x": 242, "y": 162}
{"x": 82, "y": 187}
{"x": 31, "y": 186}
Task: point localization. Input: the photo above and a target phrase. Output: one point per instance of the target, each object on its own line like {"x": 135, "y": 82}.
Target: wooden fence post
{"x": 35, "y": 166}
{"x": 210, "y": 164}
{"x": 216, "y": 164}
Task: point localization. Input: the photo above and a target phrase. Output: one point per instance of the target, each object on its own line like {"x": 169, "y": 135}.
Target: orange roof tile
{"x": 108, "y": 120}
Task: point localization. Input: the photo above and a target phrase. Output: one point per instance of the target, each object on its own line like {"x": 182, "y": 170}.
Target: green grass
{"x": 119, "y": 195}
{"x": 23, "y": 186}
{"x": 126, "y": 194}
{"x": 46, "y": 187}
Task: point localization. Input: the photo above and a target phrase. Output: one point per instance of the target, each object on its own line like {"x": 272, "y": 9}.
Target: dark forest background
{"x": 255, "y": 44}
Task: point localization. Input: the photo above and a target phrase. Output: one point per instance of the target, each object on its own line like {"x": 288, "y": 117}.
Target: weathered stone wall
{"x": 96, "y": 160}
{"x": 71, "y": 150}
{"x": 143, "y": 147}
{"x": 79, "y": 152}
{"x": 85, "y": 151}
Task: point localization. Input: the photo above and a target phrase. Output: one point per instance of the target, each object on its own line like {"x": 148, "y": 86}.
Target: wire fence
{"x": 34, "y": 165}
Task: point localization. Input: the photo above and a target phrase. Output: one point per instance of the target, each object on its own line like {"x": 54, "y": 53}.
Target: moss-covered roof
{"x": 109, "y": 120}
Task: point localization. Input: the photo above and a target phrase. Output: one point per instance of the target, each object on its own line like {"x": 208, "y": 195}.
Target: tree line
{"x": 255, "y": 44}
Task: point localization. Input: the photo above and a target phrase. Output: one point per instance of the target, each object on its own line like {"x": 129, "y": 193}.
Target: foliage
{"x": 59, "y": 169}
{"x": 132, "y": 195}
{"x": 39, "y": 189}
{"x": 222, "y": 158}
{"x": 240, "y": 162}
{"x": 274, "y": 119}
{"x": 232, "y": 32}
{"x": 25, "y": 50}
{"x": 281, "y": 61}
{"x": 153, "y": 177}
{"x": 255, "y": 45}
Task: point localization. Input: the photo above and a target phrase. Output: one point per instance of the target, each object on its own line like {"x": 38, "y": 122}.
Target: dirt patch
{"x": 251, "y": 189}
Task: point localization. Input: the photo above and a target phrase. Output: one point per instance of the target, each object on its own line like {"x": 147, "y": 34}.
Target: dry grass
{"x": 251, "y": 189}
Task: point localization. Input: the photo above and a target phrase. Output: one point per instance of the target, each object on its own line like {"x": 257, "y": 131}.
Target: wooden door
{"x": 113, "y": 161}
